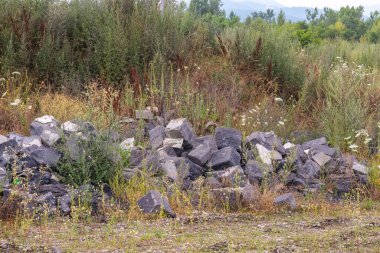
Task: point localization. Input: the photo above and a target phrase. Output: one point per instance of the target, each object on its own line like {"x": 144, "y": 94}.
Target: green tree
{"x": 373, "y": 34}
{"x": 267, "y": 16}
{"x": 202, "y": 7}
{"x": 281, "y": 18}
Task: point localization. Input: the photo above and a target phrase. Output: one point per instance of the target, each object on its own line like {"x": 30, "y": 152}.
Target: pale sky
{"x": 336, "y": 4}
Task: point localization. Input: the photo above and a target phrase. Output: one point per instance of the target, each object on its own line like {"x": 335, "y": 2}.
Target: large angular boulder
{"x": 224, "y": 158}
{"x": 287, "y": 199}
{"x": 180, "y": 129}
{"x": 316, "y": 142}
{"x": 46, "y": 127}
{"x": 255, "y": 171}
{"x": 157, "y": 136}
{"x": 178, "y": 145}
{"x": 231, "y": 177}
{"x": 227, "y": 198}
{"x": 137, "y": 156}
{"x": 200, "y": 155}
{"x": 228, "y": 137}
{"x": 267, "y": 139}
{"x": 58, "y": 190}
{"x": 309, "y": 170}
{"x": 267, "y": 156}
{"x": 321, "y": 159}
{"x": 207, "y": 140}
{"x": 64, "y": 204}
{"x": 250, "y": 194}
{"x": 360, "y": 169}
{"x": 46, "y": 156}
{"x": 154, "y": 203}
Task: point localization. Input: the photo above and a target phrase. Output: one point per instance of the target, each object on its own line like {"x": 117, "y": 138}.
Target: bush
{"x": 90, "y": 161}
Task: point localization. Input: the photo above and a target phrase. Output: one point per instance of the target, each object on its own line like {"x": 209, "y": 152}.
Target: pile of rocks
{"x": 232, "y": 167}
{"x": 28, "y": 165}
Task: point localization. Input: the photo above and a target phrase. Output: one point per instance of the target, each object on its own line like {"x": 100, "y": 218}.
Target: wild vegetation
{"x": 100, "y": 60}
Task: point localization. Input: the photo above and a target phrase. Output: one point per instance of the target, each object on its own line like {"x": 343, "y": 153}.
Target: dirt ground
{"x": 350, "y": 229}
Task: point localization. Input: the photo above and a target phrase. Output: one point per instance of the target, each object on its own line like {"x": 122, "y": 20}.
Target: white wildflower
{"x": 278, "y": 100}
{"x": 281, "y": 123}
{"x": 16, "y": 102}
{"x": 16, "y": 73}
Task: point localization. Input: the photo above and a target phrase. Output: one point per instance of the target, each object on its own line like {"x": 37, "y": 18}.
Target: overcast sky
{"x": 330, "y": 3}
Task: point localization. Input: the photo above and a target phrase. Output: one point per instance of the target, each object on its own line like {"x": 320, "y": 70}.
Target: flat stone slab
{"x": 321, "y": 158}
{"x": 315, "y": 142}
{"x": 360, "y": 168}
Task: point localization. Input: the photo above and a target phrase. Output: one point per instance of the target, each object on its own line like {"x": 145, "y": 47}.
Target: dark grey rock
{"x": 293, "y": 180}
{"x": 150, "y": 164}
{"x": 57, "y": 190}
{"x": 46, "y": 199}
{"x": 224, "y": 158}
{"x": 166, "y": 152}
{"x": 228, "y": 137}
{"x": 231, "y": 177}
{"x": 255, "y": 171}
{"x": 129, "y": 174}
{"x": 227, "y": 198}
{"x": 250, "y": 194}
{"x": 315, "y": 142}
{"x": 46, "y": 127}
{"x": 157, "y": 136}
{"x": 64, "y": 204}
{"x": 46, "y": 156}
{"x": 193, "y": 171}
{"x": 153, "y": 202}
{"x": 309, "y": 170}
{"x": 176, "y": 144}
{"x": 342, "y": 184}
{"x": 288, "y": 199}
{"x": 267, "y": 139}
{"x": 137, "y": 157}
{"x": 315, "y": 149}
{"x": 200, "y": 155}
{"x": 207, "y": 140}
{"x": 213, "y": 183}
{"x": 321, "y": 159}
{"x": 360, "y": 169}
{"x": 180, "y": 129}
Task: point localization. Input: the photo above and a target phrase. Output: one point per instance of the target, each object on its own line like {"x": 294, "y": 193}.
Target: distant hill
{"x": 244, "y": 8}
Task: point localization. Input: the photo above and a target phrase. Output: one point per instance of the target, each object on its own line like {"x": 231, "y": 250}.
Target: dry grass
{"x": 342, "y": 229}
